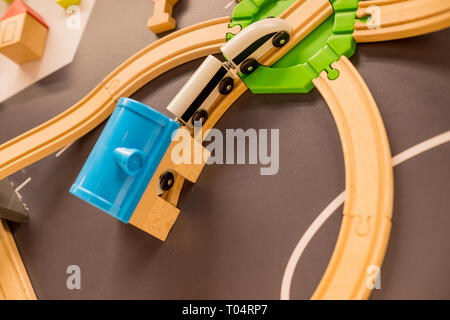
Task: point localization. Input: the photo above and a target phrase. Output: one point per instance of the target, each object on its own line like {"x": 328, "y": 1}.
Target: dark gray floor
{"x": 237, "y": 228}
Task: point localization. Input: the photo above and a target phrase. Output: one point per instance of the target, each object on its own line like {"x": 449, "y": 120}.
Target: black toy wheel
{"x": 249, "y": 65}
{"x": 280, "y": 39}
{"x": 200, "y": 116}
{"x": 226, "y": 86}
{"x": 166, "y": 181}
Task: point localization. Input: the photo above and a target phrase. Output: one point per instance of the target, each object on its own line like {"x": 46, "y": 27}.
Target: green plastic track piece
{"x": 296, "y": 70}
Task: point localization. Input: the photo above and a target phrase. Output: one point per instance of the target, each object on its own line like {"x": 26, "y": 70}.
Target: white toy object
{"x": 252, "y": 43}
{"x": 215, "y": 78}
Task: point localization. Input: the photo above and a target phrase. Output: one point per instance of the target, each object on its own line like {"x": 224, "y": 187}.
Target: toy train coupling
{"x": 130, "y": 172}
{"x": 245, "y": 49}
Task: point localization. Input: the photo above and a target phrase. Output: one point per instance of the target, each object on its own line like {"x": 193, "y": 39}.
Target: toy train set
{"x": 129, "y": 173}
{"x": 215, "y": 78}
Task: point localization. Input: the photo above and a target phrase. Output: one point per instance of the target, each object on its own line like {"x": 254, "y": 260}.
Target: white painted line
{"x": 421, "y": 148}
{"x": 60, "y": 152}
{"x": 332, "y": 207}
{"x": 22, "y": 185}
{"x": 230, "y": 4}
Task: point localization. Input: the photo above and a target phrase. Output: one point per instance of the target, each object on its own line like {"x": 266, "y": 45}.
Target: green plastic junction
{"x": 321, "y": 48}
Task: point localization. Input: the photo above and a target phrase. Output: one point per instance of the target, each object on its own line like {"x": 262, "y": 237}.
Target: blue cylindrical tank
{"x": 124, "y": 158}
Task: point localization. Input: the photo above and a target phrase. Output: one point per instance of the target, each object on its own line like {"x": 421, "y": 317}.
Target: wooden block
{"x": 22, "y": 38}
{"x": 162, "y": 20}
{"x": 156, "y": 213}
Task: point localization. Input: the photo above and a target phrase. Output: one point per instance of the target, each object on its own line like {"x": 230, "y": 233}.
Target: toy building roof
{"x": 19, "y": 7}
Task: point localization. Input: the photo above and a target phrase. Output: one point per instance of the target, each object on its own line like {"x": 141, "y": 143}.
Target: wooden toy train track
{"x": 368, "y": 208}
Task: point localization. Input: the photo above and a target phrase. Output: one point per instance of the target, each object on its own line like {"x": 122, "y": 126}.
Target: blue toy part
{"x": 124, "y": 159}
{"x": 130, "y": 160}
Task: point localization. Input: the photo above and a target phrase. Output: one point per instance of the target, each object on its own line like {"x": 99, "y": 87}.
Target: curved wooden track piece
{"x": 159, "y": 57}
{"x": 368, "y": 207}
{"x": 402, "y": 19}
{"x": 14, "y": 281}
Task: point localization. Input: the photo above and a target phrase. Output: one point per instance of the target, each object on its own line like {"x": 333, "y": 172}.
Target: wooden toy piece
{"x": 162, "y": 20}
{"x": 14, "y": 281}
{"x": 304, "y": 17}
{"x": 206, "y": 38}
{"x": 369, "y": 200}
{"x": 11, "y": 206}
{"x": 156, "y": 214}
{"x": 23, "y": 33}
{"x": 401, "y": 19}
{"x": 67, "y": 3}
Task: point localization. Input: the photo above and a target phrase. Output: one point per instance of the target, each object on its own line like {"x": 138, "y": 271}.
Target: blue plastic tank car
{"x": 124, "y": 159}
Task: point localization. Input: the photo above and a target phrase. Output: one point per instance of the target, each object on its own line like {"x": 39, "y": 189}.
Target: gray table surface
{"x": 237, "y": 229}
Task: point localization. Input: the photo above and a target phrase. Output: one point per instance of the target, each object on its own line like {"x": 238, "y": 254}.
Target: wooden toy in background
{"x": 130, "y": 169}
{"x": 162, "y": 20}
{"x": 23, "y": 33}
{"x": 67, "y": 3}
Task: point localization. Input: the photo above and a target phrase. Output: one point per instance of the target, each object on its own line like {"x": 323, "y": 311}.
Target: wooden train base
{"x": 366, "y": 223}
